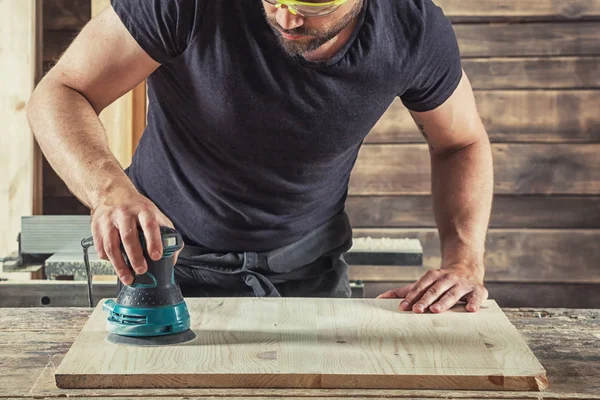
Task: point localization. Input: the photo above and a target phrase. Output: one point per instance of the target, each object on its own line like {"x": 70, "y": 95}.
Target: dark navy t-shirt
{"x": 248, "y": 148}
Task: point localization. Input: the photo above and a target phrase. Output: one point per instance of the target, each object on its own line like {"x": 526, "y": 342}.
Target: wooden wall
{"x": 63, "y": 19}
{"x": 535, "y": 69}
{"x": 19, "y": 70}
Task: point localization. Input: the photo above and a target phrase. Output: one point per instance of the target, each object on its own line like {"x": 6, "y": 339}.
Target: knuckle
{"x": 416, "y": 290}
{"x": 136, "y": 259}
{"x": 121, "y": 211}
{"x": 432, "y": 291}
{"x": 150, "y": 223}
{"x": 127, "y": 234}
{"x": 431, "y": 273}
{"x": 111, "y": 249}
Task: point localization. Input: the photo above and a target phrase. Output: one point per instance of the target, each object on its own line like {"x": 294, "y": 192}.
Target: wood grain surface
{"x": 512, "y": 116}
{"x": 532, "y": 169}
{"x": 519, "y": 169}
{"x": 533, "y": 73}
{"x": 71, "y": 14}
{"x": 35, "y": 342}
{"x": 18, "y": 69}
{"x": 508, "y": 211}
{"x": 520, "y": 10}
{"x": 475, "y": 40}
{"x": 314, "y": 343}
{"x": 533, "y": 39}
{"x": 512, "y": 255}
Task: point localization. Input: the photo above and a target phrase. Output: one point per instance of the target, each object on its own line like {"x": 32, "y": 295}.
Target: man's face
{"x": 299, "y": 35}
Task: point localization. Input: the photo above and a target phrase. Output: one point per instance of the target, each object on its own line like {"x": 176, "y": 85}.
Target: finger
{"x": 151, "y": 228}
{"x": 112, "y": 248}
{"x": 131, "y": 243}
{"x": 98, "y": 242}
{"x": 477, "y": 297}
{"x": 396, "y": 293}
{"x": 417, "y": 291}
{"x": 450, "y": 298}
{"x": 435, "y": 291}
{"x": 176, "y": 257}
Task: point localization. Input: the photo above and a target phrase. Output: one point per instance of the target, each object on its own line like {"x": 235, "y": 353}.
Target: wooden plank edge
{"x": 537, "y": 381}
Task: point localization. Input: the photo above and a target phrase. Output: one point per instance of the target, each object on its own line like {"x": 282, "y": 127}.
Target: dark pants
{"x": 310, "y": 267}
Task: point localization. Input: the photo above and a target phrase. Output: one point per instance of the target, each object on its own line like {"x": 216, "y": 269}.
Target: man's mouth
{"x": 291, "y": 37}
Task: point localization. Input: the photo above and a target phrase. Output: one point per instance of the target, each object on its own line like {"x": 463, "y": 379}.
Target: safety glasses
{"x": 308, "y": 9}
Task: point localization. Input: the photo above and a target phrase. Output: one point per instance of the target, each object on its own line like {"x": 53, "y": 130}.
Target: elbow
{"x": 33, "y": 106}
{"x": 478, "y": 141}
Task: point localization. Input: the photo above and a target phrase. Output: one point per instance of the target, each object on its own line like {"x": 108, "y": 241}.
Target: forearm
{"x": 462, "y": 187}
{"x": 74, "y": 142}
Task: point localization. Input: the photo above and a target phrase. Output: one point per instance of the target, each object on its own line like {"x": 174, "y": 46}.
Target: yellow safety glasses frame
{"x": 307, "y": 8}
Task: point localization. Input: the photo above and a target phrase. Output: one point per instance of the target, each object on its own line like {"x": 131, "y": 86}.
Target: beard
{"x": 313, "y": 38}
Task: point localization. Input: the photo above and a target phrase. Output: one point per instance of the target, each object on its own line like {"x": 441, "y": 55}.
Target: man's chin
{"x": 296, "y": 47}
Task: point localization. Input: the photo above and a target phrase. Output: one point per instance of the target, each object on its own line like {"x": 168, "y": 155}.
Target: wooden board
{"x": 18, "y": 162}
{"x": 535, "y": 39}
{"x": 520, "y": 10}
{"x": 519, "y": 169}
{"x": 512, "y": 116}
{"x": 513, "y": 255}
{"x": 486, "y": 40}
{"x": 507, "y": 212}
{"x": 68, "y": 14}
{"x": 571, "y": 72}
{"x": 533, "y": 73}
{"x": 314, "y": 343}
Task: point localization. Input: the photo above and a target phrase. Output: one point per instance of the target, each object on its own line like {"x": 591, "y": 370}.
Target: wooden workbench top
{"x": 33, "y": 341}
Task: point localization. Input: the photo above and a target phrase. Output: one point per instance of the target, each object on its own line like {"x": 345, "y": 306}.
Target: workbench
{"x": 33, "y": 342}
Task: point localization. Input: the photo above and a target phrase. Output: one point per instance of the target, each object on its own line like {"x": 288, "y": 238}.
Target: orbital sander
{"x": 151, "y": 311}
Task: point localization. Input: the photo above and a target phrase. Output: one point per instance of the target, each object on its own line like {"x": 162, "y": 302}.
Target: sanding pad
{"x": 175, "y": 338}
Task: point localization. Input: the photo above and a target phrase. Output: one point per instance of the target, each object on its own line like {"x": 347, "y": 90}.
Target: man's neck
{"x": 331, "y": 48}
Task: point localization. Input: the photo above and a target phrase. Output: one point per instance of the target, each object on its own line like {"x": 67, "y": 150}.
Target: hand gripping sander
{"x": 151, "y": 311}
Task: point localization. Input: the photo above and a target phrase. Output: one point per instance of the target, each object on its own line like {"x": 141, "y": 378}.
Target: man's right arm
{"x": 103, "y": 63}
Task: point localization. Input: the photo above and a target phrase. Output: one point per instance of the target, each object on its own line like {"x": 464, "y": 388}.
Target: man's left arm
{"x": 462, "y": 189}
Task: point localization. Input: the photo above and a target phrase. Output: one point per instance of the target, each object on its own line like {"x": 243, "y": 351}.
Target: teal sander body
{"x": 152, "y": 310}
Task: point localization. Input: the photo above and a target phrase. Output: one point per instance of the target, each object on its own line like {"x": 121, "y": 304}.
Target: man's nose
{"x": 287, "y": 20}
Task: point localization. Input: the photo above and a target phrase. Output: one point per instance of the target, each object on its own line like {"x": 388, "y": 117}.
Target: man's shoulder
{"x": 409, "y": 24}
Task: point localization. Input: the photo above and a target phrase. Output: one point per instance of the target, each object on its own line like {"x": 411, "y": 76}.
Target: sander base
{"x": 162, "y": 340}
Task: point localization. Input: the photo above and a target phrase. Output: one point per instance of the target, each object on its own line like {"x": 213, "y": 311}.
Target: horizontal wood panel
{"x": 519, "y": 10}
{"x": 66, "y": 14}
{"x": 535, "y": 39}
{"x": 479, "y": 40}
{"x": 516, "y": 294}
{"x": 72, "y": 14}
{"x": 507, "y": 212}
{"x": 533, "y": 73}
{"x": 513, "y": 255}
{"x": 404, "y": 170}
{"x": 512, "y": 116}
{"x": 519, "y": 169}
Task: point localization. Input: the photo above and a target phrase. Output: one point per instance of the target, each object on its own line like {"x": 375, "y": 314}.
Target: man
{"x": 257, "y": 110}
